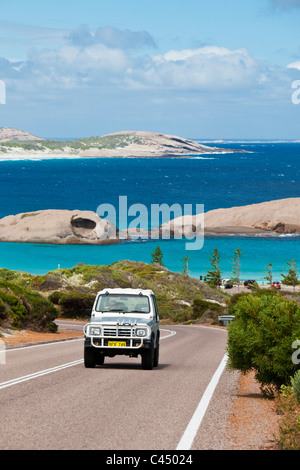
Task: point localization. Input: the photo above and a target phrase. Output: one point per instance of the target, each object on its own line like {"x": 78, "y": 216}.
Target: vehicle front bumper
{"x": 117, "y": 337}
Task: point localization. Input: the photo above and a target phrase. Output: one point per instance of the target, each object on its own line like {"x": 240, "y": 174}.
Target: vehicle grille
{"x": 112, "y": 331}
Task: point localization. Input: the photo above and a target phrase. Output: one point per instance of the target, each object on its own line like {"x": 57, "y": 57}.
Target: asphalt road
{"x": 49, "y": 400}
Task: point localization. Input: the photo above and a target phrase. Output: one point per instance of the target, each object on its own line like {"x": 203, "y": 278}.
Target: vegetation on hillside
{"x": 105, "y": 142}
{"x": 22, "y": 308}
{"x": 175, "y": 292}
{"x": 71, "y": 292}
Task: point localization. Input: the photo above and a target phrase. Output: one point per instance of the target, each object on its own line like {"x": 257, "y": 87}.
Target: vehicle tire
{"x": 100, "y": 359}
{"x": 148, "y": 358}
{"x": 90, "y": 359}
{"x": 156, "y": 356}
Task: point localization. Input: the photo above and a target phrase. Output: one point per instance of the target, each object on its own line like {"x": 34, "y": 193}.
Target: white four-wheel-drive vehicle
{"x": 123, "y": 321}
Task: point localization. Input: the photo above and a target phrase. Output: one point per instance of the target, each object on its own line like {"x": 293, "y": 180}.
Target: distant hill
{"x": 8, "y": 133}
{"x": 121, "y": 144}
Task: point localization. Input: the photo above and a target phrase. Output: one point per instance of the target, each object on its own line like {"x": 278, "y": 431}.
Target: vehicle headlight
{"x": 95, "y": 331}
{"x": 141, "y": 332}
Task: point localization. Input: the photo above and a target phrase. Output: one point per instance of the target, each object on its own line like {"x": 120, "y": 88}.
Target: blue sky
{"x": 195, "y": 68}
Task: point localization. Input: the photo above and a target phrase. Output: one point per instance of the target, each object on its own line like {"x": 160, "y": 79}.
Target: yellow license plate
{"x": 117, "y": 344}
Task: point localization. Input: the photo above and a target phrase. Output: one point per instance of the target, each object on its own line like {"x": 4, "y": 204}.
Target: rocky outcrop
{"x": 151, "y": 144}
{"x": 58, "y": 227}
{"x": 279, "y": 216}
{"x": 86, "y": 227}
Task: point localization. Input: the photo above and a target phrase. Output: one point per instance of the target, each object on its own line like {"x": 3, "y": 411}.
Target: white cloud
{"x": 96, "y": 69}
{"x": 294, "y": 65}
{"x": 209, "y": 67}
{"x": 74, "y": 66}
{"x": 111, "y": 37}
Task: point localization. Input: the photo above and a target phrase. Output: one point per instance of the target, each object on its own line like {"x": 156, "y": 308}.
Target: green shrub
{"x": 73, "y": 305}
{"x": 261, "y": 337}
{"x": 202, "y": 307}
{"x": 55, "y": 297}
{"x": 7, "y": 275}
{"x": 23, "y": 308}
{"x": 46, "y": 282}
{"x": 2, "y": 308}
{"x": 17, "y": 311}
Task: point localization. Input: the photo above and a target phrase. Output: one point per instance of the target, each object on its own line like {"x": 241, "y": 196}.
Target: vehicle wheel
{"x": 156, "y": 356}
{"x": 90, "y": 358}
{"x": 148, "y": 359}
{"x": 100, "y": 359}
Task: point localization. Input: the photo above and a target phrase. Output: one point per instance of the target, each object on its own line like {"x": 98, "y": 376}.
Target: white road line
{"x": 18, "y": 380}
{"x": 194, "y": 424}
{"x": 50, "y": 343}
{"x": 171, "y": 333}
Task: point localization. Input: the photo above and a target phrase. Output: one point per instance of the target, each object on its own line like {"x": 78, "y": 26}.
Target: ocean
{"x": 266, "y": 171}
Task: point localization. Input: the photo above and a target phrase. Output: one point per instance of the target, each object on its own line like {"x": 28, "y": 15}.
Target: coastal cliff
{"x": 19, "y": 144}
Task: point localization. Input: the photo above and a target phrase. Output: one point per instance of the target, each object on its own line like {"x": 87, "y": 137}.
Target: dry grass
{"x": 289, "y": 409}
{"x": 254, "y": 422}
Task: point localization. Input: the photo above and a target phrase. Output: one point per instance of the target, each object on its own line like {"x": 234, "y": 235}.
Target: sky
{"x": 200, "y": 69}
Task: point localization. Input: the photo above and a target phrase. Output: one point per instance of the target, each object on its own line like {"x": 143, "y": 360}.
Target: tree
{"x": 291, "y": 278}
{"x": 269, "y": 273}
{"x": 214, "y": 275}
{"x": 157, "y": 256}
{"x": 236, "y": 267}
{"x": 185, "y": 265}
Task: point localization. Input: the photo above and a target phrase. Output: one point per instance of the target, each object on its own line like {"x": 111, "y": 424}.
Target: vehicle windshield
{"x": 123, "y": 303}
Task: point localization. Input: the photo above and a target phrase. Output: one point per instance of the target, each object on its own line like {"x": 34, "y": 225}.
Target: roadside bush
{"x": 236, "y": 298}
{"x": 204, "y": 310}
{"x": 261, "y": 336}
{"x": 16, "y": 310}
{"x": 23, "y": 308}
{"x": 73, "y": 305}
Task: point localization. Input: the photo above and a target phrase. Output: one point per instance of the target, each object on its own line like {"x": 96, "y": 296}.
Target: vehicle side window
{"x": 155, "y": 307}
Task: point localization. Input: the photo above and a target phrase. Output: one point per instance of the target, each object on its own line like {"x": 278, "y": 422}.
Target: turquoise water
{"x": 267, "y": 171}
{"x": 256, "y": 254}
